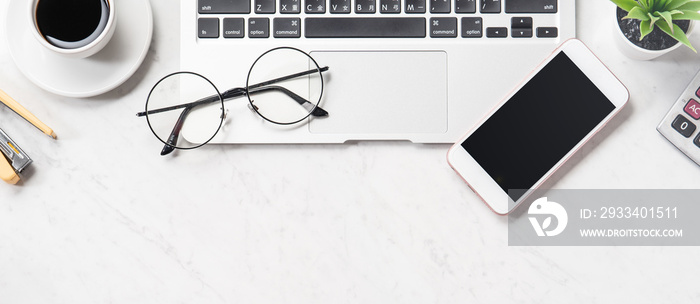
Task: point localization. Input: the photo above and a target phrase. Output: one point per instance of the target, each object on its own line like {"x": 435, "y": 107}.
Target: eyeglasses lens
{"x": 292, "y": 99}
{"x": 197, "y": 123}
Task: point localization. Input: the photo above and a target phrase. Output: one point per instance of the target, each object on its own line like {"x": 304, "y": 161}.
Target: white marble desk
{"x": 102, "y": 218}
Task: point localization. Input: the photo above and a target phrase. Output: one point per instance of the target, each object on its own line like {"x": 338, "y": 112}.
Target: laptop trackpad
{"x": 383, "y": 93}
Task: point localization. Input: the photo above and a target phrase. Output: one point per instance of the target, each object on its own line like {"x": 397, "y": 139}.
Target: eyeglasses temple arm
{"x": 205, "y": 100}
{"x": 283, "y": 78}
{"x": 175, "y": 134}
{"x": 317, "y": 111}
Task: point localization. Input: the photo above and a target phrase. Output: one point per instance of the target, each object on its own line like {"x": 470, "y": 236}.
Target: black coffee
{"x": 66, "y": 23}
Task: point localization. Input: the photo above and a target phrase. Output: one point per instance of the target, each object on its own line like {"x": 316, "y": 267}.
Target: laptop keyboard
{"x": 458, "y": 19}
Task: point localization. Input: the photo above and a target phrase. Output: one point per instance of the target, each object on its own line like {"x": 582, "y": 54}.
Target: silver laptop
{"x": 424, "y": 71}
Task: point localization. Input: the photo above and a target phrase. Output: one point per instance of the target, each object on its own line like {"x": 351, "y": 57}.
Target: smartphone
{"x": 569, "y": 97}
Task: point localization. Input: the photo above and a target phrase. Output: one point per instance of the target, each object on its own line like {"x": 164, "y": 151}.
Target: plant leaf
{"x": 669, "y": 19}
{"x": 653, "y": 20}
{"x": 661, "y": 5}
{"x": 687, "y": 15}
{"x": 675, "y": 12}
{"x": 690, "y": 6}
{"x": 643, "y": 4}
{"x": 626, "y": 5}
{"x": 637, "y": 13}
{"x": 645, "y": 28}
{"x": 677, "y": 33}
{"x": 674, "y": 4}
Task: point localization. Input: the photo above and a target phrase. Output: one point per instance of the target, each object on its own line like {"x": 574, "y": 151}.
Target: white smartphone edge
{"x": 481, "y": 183}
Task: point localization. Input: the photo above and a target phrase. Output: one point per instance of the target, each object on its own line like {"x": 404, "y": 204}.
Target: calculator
{"x": 680, "y": 126}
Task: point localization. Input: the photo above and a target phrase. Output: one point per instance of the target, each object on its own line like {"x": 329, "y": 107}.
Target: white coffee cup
{"x": 82, "y": 48}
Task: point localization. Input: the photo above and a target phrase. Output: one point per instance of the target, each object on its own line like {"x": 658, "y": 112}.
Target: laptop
{"x": 423, "y": 71}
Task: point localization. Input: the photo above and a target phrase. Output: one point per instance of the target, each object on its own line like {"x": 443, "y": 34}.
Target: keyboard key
{"x": 415, "y": 7}
{"x": 286, "y": 27}
{"x": 697, "y": 93}
{"x": 264, "y": 6}
{"x": 472, "y": 27}
{"x": 490, "y": 6}
{"x": 390, "y": 6}
{"x": 465, "y": 6}
{"x": 521, "y": 33}
{"x": 531, "y": 6}
{"x": 258, "y": 27}
{"x": 290, "y": 6}
{"x": 443, "y": 27}
{"x": 521, "y": 27}
{"x": 697, "y": 140}
{"x": 683, "y": 126}
{"x": 315, "y": 6}
{"x": 346, "y": 27}
{"x": 521, "y": 22}
{"x": 441, "y": 6}
{"x": 234, "y": 27}
{"x": 693, "y": 109}
{"x": 365, "y": 6}
{"x": 547, "y": 32}
{"x": 340, "y": 6}
{"x": 208, "y": 27}
{"x": 496, "y": 32}
{"x": 223, "y": 6}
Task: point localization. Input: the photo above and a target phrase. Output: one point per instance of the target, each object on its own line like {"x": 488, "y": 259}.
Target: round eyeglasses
{"x": 284, "y": 86}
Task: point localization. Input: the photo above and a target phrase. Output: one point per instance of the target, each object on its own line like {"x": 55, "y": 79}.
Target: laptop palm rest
{"x": 389, "y": 93}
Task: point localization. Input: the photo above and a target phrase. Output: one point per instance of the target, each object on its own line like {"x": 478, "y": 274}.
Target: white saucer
{"x": 90, "y": 76}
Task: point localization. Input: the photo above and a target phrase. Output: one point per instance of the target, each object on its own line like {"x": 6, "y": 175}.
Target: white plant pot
{"x": 633, "y": 51}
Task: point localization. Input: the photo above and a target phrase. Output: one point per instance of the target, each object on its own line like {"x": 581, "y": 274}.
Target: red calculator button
{"x": 697, "y": 92}
{"x": 693, "y": 108}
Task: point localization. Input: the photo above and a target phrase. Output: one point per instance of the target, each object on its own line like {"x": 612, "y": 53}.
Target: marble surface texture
{"x": 102, "y": 218}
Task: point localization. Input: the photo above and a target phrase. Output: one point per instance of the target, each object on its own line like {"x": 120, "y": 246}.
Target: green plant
{"x": 661, "y": 13}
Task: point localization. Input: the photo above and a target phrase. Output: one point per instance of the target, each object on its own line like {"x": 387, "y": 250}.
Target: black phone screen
{"x": 538, "y": 126}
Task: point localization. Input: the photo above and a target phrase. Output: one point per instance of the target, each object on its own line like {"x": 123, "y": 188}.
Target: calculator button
{"x": 697, "y": 140}
{"x": 693, "y": 108}
{"x": 683, "y": 126}
{"x": 697, "y": 93}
